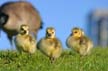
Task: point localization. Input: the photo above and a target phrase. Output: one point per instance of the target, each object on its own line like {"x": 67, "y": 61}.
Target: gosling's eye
{"x": 52, "y": 32}
{"x": 75, "y": 32}
{"x": 22, "y": 29}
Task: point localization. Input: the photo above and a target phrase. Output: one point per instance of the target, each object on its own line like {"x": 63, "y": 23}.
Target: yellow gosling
{"x": 79, "y": 42}
{"x": 50, "y": 45}
{"x": 24, "y": 41}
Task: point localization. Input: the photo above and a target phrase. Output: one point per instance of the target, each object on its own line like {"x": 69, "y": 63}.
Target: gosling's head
{"x": 50, "y": 32}
{"x": 77, "y": 32}
{"x": 24, "y": 29}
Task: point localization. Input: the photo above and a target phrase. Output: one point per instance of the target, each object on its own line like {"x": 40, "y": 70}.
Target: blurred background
{"x": 63, "y": 15}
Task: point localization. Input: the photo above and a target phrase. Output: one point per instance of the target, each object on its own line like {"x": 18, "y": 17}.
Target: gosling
{"x": 50, "y": 45}
{"x": 79, "y": 42}
{"x": 24, "y": 41}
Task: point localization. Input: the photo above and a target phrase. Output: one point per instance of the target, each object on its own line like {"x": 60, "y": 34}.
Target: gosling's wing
{"x": 67, "y": 42}
{"x": 57, "y": 43}
{"x": 18, "y": 42}
{"x": 17, "y": 39}
{"x": 41, "y": 43}
{"x": 86, "y": 42}
{"x": 30, "y": 38}
{"x": 90, "y": 43}
{"x": 70, "y": 42}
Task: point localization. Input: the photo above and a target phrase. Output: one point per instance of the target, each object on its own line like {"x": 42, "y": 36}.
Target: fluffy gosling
{"x": 50, "y": 45}
{"x": 24, "y": 41}
{"x": 79, "y": 42}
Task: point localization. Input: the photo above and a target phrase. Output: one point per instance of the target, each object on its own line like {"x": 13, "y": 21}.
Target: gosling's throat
{"x": 50, "y": 37}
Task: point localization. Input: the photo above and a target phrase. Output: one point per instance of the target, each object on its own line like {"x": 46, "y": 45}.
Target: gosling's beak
{"x": 49, "y": 35}
{"x": 23, "y": 32}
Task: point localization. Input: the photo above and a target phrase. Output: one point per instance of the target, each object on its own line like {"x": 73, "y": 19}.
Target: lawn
{"x": 69, "y": 61}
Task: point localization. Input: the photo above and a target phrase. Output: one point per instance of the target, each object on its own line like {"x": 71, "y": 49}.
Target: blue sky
{"x": 63, "y": 15}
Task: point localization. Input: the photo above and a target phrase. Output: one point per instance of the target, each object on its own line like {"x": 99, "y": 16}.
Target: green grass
{"x": 69, "y": 61}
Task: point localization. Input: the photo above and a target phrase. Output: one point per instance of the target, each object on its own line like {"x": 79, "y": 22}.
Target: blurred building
{"x": 98, "y": 27}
